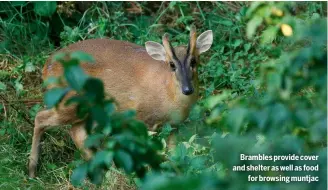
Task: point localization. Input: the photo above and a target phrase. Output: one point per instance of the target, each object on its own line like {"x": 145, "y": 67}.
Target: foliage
{"x": 263, "y": 90}
{"x": 117, "y": 137}
{"x": 283, "y": 113}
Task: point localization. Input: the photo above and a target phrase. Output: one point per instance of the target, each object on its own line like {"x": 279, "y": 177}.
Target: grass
{"x": 230, "y": 64}
{"x": 57, "y": 161}
{"x": 58, "y": 151}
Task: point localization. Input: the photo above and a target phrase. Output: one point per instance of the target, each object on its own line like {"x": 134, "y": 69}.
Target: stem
{"x": 200, "y": 10}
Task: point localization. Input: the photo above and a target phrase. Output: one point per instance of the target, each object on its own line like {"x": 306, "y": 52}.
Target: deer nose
{"x": 187, "y": 90}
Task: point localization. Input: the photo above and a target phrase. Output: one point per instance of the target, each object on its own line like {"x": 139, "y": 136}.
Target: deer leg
{"x": 45, "y": 120}
{"x": 78, "y": 134}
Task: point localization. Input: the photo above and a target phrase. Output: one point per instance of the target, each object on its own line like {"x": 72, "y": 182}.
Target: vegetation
{"x": 263, "y": 91}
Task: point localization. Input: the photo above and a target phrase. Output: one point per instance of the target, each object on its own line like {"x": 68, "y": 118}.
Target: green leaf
{"x": 53, "y": 96}
{"x": 184, "y": 19}
{"x": 247, "y": 47}
{"x": 236, "y": 118}
{"x": 253, "y": 7}
{"x": 34, "y": 110}
{"x": 318, "y": 132}
{"x": 214, "y": 100}
{"x": 109, "y": 107}
{"x": 107, "y": 130}
{"x": 75, "y": 76}
{"x": 165, "y": 130}
{"x": 225, "y": 22}
{"x": 82, "y": 56}
{"x": 172, "y": 4}
{"x": 315, "y": 16}
{"x": 124, "y": 160}
{"x": 76, "y": 100}
{"x": 89, "y": 124}
{"x": 94, "y": 89}
{"x": 45, "y": 8}
{"x": 29, "y": 67}
{"x": 3, "y": 87}
{"x": 252, "y": 26}
{"x": 97, "y": 176}
{"x": 51, "y": 166}
{"x": 180, "y": 152}
{"x": 139, "y": 128}
{"x": 192, "y": 139}
{"x": 237, "y": 43}
{"x": 101, "y": 158}
{"x": 198, "y": 162}
{"x": 51, "y": 81}
{"x": 93, "y": 140}
{"x": 79, "y": 174}
{"x": 155, "y": 144}
{"x": 99, "y": 115}
{"x": 273, "y": 82}
{"x": 261, "y": 117}
{"x": 2, "y": 131}
{"x": 269, "y": 34}
{"x": 58, "y": 57}
{"x": 18, "y": 86}
{"x": 129, "y": 114}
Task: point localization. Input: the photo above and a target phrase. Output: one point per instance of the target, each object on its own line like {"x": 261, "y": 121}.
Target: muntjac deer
{"x": 160, "y": 82}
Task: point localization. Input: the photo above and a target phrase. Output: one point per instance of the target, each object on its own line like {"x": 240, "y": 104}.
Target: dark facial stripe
{"x": 174, "y": 55}
{"x": 187, "y": 54}
{"x": 188, "y": 49}
{"x": 181, "y": 65}
{"x": 183, "y": 75}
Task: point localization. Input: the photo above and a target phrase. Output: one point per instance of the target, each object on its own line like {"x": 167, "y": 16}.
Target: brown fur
{"x": 131, "y": 76}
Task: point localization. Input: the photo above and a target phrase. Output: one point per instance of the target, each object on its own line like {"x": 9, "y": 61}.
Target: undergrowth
{"x": 29, "y": 34}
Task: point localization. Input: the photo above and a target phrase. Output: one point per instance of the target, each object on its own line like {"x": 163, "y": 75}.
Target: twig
{"x": 232, "y": 6}
{"x": 26, "y": 101}
{"x": 135, "y": 8}
{"x": 200, "y": 10}
{"x": 23, "y": 114}
{"x": 162, "y": 13}
{"x": 4, "y": 108}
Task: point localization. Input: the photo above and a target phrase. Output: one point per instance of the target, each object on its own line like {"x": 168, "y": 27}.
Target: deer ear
{"x": 204, "y": 41}
{"x": 156, "y": 50}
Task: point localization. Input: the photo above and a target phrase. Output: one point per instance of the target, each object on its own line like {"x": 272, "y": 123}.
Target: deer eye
{"x": 193, "y": 62}
{"x": 172, "y": 66}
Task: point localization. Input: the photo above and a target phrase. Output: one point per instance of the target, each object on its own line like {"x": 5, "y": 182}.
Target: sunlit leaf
{"x": 252, "y": 26}
{"x": 29, "y": 67}
{"x": 269, "y": 34}
{"x": 286, "y": 30}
